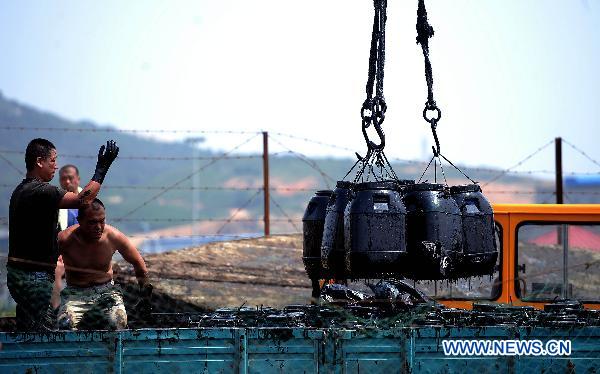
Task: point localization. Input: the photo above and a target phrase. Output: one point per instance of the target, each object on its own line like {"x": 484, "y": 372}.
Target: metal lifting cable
{"x": 374, "y": 107}
{"x": 431, "y": 113}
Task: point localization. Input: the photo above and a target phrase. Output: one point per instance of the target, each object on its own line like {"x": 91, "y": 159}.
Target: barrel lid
{"x": 465, "y": 188}
{"x": 324, "y": 193}
{"x": 424, "y": 187}
{"x": 379, "y": 185}
{"x": 344, "y": 184}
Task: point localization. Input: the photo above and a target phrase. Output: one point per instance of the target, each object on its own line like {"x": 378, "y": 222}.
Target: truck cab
{"x": 546, "y": 252}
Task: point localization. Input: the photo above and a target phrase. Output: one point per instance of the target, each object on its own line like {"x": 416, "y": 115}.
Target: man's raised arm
{"x": 106, "y": 156}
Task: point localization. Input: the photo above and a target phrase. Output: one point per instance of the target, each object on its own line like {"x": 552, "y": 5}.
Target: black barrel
{"x": 332, "y": 246}
{"x": 479, "y": 245}
{"x": 433, "y": 231}
{"x": 374, "y": 222}
{"x": 312, "y": 230}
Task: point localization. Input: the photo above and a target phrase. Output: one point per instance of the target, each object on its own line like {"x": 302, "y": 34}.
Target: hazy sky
{"x": 509, "y": 75}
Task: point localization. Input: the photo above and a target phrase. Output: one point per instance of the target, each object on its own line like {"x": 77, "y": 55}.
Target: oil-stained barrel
{"x": 433, "y": 231}
{"x": 374, "y": 222}
{"x": 479, "y": 245}
{"x": 312, "y": 233}
{"x": 332, "y": 246}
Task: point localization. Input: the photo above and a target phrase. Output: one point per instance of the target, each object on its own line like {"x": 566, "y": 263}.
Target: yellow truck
{"x": 547, "y": 252}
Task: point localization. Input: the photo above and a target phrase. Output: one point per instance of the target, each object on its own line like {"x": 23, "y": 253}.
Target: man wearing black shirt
{"x": 33, "y": 220}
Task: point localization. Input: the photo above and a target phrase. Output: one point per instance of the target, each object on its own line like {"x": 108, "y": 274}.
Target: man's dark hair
{"x": 94, "y": 205}
{"x": 60, "y": 171}
{"x": 37, "y": 148}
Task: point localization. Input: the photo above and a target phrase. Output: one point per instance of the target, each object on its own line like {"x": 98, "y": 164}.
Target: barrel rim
{"x": 378, "y": 185}
{"x": 425, "y": 187}
{"x": 462, "y": 188}
{"x": 344, "y": 184}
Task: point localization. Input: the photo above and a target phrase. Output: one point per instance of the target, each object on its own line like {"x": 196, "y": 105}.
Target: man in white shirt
{"x": 69, "y": 180}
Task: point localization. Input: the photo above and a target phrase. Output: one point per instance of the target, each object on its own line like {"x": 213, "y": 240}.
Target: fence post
{"x": 558, "y": 163}
{"x": 563, "y": 230}
{"x": 266, "y": 182}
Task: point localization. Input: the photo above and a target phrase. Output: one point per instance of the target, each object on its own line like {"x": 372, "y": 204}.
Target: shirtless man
{"x": 91, "y": 300}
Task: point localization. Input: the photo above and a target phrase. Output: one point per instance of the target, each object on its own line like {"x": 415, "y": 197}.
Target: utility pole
{"x": 559, "y": 174}
{"x": 266, "y": 182}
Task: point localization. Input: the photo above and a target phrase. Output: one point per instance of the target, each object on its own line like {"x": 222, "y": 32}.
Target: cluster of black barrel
{"x": 352, "y": 315}
{"x": 399, "y": 228}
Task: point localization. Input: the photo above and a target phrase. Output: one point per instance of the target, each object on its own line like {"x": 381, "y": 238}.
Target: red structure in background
{"x": 579, "y": 237}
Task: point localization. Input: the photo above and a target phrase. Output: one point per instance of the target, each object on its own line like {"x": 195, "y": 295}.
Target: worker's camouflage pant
{"x": 31, "y": 291}
{"x": 97, "y": 307}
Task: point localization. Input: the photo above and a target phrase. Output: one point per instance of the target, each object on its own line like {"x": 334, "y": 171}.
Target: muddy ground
{"x": 262, "y": 271}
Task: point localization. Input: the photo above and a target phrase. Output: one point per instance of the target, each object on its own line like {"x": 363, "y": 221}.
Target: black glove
{"x": 146, "y": 290}
{"x": 106, "y": 156}
{"x": 143, "y": 308}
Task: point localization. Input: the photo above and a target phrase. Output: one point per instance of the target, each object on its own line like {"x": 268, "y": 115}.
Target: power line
{"x": 313, "y": 141}
{"x": 309, "y": 162}
{"x": 519, "y": 192}
{"x": 503, "y": 173}
{"x": 191, "y": 188}
{"x": 186, "y": 178}
{"x": 490, "y": 170}
{"x": 195, "y": 220}
{"x": 133, "y": 131}
{"x": 199, "y": 188}
{"x": 155, "y": 158}
{"x": 581, "y": 152}
{"x": 202, "y": 188}
{"x": 290, "y": 136}
{"x": 292, "y": 189}
{"x": 162, "y": 131}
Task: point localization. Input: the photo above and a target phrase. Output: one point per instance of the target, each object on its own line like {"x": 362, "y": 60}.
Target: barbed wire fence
{"x": 278, "y": 138}
{"x": 241, "y": 217}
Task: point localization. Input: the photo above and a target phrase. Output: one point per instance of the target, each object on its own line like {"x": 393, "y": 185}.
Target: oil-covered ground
{"x": 269, "y": 272}
{"x": 380, "y": 314}
{"x": 262, "y": 271}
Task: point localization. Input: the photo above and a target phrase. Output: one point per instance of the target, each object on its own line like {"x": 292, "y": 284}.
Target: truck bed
{"x": 289, "y": 350}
